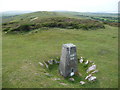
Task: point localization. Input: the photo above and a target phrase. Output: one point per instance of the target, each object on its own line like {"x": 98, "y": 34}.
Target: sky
{"x": 60, "y": 5}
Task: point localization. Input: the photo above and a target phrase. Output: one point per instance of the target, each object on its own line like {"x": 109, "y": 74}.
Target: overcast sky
{"x": 66, "y": 5}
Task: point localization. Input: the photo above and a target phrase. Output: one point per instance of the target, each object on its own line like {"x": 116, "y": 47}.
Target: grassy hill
{"x": 36, "y": 20}
{"x": 35, "y": 17}
{"x": 40, "y": 14}
{"x": 22, "y": 52}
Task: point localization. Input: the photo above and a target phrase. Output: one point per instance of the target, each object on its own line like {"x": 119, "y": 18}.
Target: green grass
{"x": 22, "y": 52}
{"x": 58, "y": 22}
{"x": 0, "y": 55}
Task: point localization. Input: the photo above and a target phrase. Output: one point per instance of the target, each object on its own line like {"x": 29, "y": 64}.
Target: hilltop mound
{"x": 36, "y": 20}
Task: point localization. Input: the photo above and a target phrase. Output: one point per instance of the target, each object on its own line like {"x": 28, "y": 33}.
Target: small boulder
{"x": 82, "y": 82}
{"x": 41, "y": 64}
{"x": 88, "y": 76}
{"x": 92, "y": 78}
{"x": 46, "y": 65}
{"x": 91, "y": 68}
{"x": 94, "y": 71}
{"x": 91, "y": 61}
{"x": 86, "y": 63}
{"x": 63, "y": 84}
{"x": 50, "y": 62}
{"x": 72, "y": 79}
{"x": 81, "y": 60}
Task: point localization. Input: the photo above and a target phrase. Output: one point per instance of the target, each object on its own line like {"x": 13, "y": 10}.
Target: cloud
{"x": 51, "y": 5}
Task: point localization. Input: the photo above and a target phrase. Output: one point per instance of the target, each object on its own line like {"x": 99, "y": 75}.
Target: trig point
{"x": 68, "y": 60}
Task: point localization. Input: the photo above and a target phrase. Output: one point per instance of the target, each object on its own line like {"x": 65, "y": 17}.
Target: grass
{"x": 0, "y": 55}
{"x": 58, "y": 22}
{"x": 22, "y": 52}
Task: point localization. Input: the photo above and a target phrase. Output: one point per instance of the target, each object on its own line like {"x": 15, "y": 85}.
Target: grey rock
{"x": 41, "y": 64}
{"x": 91, "y": 61}
{"x": 81, "y": 60}
{"x": 91, "y": 68}
{"x": 50, "y": 62}
{"x": 72, "y": 79}
{"x": 88, "y": 76}
{"x": 82, "y": 82}
{"x": 92, "y": 78}
{"x": 94, "y": 72}
{"x": 87, "y": 62}
{"x": 63, "y": 84}
{"x": 56, "y": 78}
{"x": 47, "y": 66}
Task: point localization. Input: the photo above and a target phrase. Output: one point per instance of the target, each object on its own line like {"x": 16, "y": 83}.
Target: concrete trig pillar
{"x": 68, "y": 60}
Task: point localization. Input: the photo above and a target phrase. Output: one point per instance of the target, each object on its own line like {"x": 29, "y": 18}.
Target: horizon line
{"x": 59, "y": 11}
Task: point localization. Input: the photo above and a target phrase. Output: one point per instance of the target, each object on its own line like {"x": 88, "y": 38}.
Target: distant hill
{"x": 36, "y": 20}
{"x": 17, "y": 15}
{"x": 65, "y": 19}
{"x": 12, "y": 13}
{"x": 40, "y": 14}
